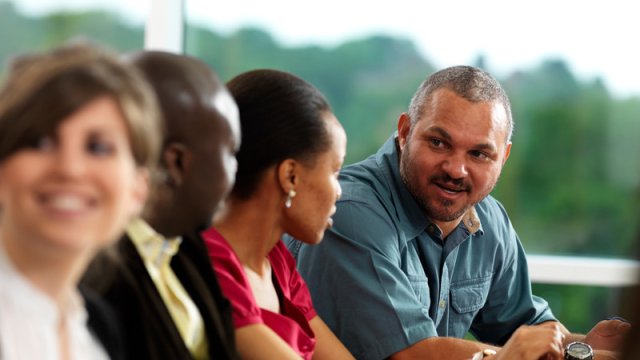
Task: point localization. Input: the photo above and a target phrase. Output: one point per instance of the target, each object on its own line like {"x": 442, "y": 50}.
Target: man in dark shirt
{"x": 188, "y": 318}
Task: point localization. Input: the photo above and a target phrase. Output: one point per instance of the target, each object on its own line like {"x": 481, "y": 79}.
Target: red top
{"x": 296, "y": 308}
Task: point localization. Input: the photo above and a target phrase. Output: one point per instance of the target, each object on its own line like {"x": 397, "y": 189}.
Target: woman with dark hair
{"x": 287, "y": 182}
{"x": 78, "y": 133}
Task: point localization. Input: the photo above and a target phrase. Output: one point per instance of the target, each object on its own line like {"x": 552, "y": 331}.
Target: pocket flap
{"x": 470, "y": 295}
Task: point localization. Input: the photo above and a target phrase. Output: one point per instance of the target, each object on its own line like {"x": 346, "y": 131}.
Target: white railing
{"x": 583, "y": 271}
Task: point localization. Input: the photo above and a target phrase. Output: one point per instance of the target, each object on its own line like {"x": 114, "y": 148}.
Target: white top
{"x": 263, "y": 289}
{"x": 29, "y": 321}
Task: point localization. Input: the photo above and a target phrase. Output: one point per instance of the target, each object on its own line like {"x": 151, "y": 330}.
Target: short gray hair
{"x": 469, "y": 82}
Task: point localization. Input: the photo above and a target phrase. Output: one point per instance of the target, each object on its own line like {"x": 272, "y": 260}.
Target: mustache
{"x": 449, "y": 182}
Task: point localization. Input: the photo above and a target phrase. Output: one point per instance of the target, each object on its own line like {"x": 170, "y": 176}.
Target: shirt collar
{"x": 412, "y": 218}
{"x": 471, "y": 221}
{"x": 152, "y": 246}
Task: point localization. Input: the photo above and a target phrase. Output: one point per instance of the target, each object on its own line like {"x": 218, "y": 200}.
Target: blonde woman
{"x": 78, "y": 131}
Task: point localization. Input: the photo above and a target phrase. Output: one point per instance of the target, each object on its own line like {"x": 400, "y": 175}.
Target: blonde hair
{"x": 42, "y": 89}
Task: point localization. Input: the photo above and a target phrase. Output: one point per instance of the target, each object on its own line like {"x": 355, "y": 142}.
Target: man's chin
{"x": 445, "y": 214}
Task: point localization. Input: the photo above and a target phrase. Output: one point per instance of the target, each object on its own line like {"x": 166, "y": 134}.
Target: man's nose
{"x": 456, "y": 166}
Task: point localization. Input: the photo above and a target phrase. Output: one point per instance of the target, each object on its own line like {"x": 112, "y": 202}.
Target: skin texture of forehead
{"x": 440, "y": 101}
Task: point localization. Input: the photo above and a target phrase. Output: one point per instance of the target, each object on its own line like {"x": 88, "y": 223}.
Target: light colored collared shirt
{"x": 30, "y": 321}
{"x": 383, "y": 278}
{"x": 156, "y": 252}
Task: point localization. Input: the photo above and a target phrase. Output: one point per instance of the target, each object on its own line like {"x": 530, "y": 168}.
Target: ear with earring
{"x": 289, "y": 200}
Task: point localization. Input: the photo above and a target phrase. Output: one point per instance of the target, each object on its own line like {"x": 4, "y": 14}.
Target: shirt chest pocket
{"x": 469, "y": 296}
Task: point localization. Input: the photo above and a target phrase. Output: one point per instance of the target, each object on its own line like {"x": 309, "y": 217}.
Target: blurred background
{"x": 571, "y": 183}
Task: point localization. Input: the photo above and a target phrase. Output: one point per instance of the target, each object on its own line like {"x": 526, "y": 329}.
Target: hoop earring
{"x": 290, "y": 196}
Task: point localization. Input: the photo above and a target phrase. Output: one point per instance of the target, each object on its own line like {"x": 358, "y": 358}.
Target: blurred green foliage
{"x": 22, "y": 33}
{"x": 367, "y": 81}
{"x": 570, "y": 185}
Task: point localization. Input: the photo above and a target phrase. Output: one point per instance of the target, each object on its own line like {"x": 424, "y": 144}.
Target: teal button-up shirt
{"x": 384, "y": 279}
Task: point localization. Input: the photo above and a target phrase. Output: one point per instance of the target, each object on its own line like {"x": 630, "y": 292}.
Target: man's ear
{"x": 177, "y": 162}
{"x": 507, "y": 152}
{"x": 404, "y": 128}
{"x": 287, "y": 175}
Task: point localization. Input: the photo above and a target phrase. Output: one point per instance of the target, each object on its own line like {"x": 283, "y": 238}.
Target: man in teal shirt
{"x": 420, "y": 253}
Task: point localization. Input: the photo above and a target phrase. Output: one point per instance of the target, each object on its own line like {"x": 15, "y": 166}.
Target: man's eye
{"x": 436, "y": 142}
{"x": 479, "y": 155}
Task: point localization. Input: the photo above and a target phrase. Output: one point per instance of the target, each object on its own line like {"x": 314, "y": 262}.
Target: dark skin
{"x": 197, "y": 163}
{"x": 195, "y": 170}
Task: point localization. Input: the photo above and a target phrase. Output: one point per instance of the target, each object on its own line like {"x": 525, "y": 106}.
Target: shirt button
{"x": 442, "y": 304}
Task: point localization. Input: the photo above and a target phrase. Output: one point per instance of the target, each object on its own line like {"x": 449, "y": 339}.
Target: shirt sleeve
{"x": 510, "y": 302}
{"x": 232, "y": 279}
{"x": 358, "y": 285}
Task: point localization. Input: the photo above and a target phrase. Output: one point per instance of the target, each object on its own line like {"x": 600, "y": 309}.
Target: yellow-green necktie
{"x": 157, "y": 253}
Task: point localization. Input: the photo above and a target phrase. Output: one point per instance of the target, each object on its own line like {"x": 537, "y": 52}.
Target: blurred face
{"x": 452, "y": 157}
{"x": 318, "y": 189}
{"x": 73, "y": 191}
{"x": 214, "y": 169}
